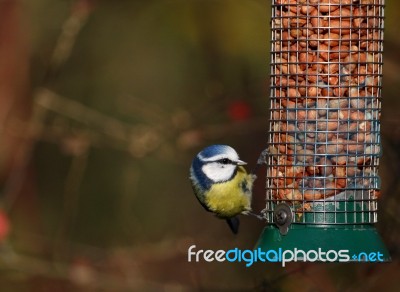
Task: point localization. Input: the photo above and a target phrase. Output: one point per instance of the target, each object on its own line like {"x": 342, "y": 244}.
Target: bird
{"x": 221, "y": 183}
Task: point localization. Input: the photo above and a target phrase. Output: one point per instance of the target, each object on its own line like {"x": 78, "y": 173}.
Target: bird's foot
{"x": 262, "y": 157}
{"x": 258, "y": 216}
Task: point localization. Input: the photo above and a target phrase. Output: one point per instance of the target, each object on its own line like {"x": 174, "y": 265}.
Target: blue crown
{"x": 213, "y": 150}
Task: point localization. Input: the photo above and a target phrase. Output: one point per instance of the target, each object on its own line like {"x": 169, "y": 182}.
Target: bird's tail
{"x": 233, "y": 224}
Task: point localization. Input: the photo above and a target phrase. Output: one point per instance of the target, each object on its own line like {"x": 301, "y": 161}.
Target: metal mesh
{"x": 324, "y": 131}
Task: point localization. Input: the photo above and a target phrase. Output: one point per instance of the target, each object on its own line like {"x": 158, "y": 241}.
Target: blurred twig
{"x": 71, "y": 204}
{"x": 79, "y": 274}
{"x": 94, "y": 268}
{"x": 137, "y": 139}
{"x": 19, "y": 168}
{"x": 80, "y": 12}
{"x": 31, "y": 130}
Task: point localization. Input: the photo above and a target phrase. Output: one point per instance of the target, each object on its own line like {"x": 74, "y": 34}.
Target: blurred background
{"x": 103, "y": 104}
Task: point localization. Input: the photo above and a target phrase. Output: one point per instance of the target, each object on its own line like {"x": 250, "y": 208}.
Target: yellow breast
{"x": 232, "y": 197}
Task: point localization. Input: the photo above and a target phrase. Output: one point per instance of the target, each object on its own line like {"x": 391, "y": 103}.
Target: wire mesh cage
{"x": 324, "y": 131}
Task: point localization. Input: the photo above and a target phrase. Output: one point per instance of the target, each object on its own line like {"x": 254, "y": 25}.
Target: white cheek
{"x": 217, "y": 172}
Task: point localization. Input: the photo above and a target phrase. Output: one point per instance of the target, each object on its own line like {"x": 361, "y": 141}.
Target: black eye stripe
{"x": 225, "y": 161}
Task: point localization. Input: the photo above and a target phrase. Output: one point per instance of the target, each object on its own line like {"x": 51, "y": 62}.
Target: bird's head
{"x": 217, "y": 163}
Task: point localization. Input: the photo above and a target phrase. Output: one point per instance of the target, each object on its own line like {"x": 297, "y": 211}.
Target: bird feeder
{"x": 324, "y": 141}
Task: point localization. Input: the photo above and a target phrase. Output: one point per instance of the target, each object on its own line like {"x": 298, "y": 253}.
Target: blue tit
{"x": 221, "y": 183}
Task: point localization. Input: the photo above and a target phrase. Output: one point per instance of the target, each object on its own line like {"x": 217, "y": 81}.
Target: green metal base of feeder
{"x": 362, "y": 241}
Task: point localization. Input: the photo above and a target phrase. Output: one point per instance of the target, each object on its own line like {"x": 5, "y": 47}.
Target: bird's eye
{"x": 225, "y": 161}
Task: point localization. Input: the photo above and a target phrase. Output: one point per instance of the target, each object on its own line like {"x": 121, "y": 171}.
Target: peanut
{"x": 330, "y": 125}
{"x": 325, "y": 166}
{"x": 326, "y": 80}
{"x": 312, "y": 195}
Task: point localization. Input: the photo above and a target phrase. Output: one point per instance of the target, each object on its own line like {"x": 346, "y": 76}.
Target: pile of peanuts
{"x": 326, "y": 69}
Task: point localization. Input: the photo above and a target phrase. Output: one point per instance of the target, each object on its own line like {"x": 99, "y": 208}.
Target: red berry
{"x": 4, "y": 226}
{"x": 239, "y": 110}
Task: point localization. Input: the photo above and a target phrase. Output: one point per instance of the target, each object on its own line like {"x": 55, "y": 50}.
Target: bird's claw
{"x": 262, "y": 157}
{"x": 259, "y": 217}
